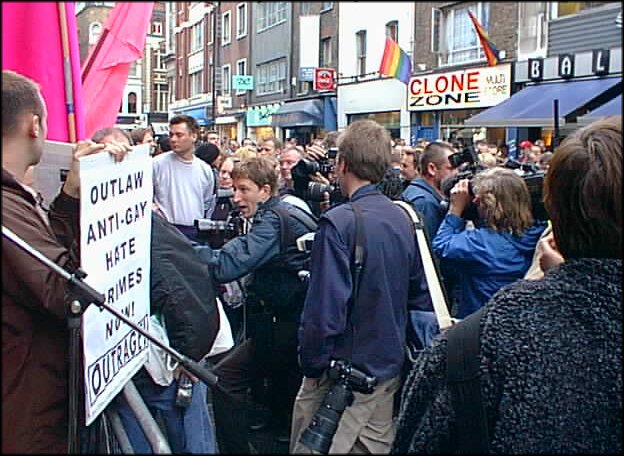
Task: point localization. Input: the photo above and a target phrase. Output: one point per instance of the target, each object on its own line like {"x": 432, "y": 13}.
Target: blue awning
{"x": 610, "y": 108}
{"x": 301, "y": 113}
{"x": 533, "y": 105}
{"x": 198, "y": 113}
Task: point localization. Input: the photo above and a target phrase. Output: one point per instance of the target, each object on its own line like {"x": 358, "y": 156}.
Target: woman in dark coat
{"x": 551, "y": 349}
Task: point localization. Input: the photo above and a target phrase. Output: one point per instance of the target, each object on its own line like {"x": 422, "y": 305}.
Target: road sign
{"x": 324, "y": 79}
{"x": 242, "y": 82}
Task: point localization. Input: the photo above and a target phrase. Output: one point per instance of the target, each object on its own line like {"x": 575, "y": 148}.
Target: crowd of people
{"x": 317, "y": 331}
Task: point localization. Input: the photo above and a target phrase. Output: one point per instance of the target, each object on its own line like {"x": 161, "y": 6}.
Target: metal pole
{"x": 67, "y": 70}
{"x": 215, "y": 30}
{"x": 90, "y": 295}
{"x": 556, "y": 114}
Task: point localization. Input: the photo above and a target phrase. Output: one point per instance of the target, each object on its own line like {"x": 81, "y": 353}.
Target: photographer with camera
{"x": 353, "y": 326}
{"x": 273, "y": 305}
{"x": 500, "y": 248}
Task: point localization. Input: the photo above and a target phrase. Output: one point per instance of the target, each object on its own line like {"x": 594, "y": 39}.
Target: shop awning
{"x": 610, "y": 108}
{"x": 198, "y": 113}
{"x": 302, "y": 113}
{"x": 533, "y": 105}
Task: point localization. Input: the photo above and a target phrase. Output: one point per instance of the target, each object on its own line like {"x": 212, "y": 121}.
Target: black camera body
{"x": 301, "y": 172}
{"x": 218, "y": 232}
{"x": 318, "y": 436}
{"x": 468, "y": 163}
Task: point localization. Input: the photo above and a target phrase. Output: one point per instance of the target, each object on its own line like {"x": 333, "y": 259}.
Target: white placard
{"x": 465, "y": 89}
{"x": 115, "y": 237}
{"x": 49, "y": 174}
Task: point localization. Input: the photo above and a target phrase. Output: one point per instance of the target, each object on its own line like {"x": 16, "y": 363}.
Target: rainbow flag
{"x": 395, "y": 62}
{"x": 491, "y": 53}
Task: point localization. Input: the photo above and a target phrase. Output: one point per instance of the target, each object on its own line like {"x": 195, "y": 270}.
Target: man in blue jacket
{"x": 424, "y": 193}
{"x": 273, "y": 305}
{"x": 367, "y": 330}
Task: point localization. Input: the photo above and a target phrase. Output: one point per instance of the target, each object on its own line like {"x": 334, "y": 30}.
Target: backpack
{"x": 182, "y": 291}
{"x": 278, "y": 285}
{"x": 464, "y": 380}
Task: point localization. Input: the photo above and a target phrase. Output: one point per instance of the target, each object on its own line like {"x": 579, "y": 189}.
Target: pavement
{"x": 262, "y": 441}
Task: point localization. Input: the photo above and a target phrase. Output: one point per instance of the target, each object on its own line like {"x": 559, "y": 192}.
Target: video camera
{"x": 467, "y": 162}
{"x": 218, "y": 232}
{"x": 305, "y": 168}
{"x": 319, "y": 434}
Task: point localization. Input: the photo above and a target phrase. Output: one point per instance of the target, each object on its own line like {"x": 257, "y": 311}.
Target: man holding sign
{"x": 34, "y": 327}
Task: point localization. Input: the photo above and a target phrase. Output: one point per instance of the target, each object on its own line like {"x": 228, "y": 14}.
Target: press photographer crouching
{"x": 273, "y": 305}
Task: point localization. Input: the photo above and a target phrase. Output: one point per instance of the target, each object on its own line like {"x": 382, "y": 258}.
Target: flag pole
{"x": 69, "y": 87}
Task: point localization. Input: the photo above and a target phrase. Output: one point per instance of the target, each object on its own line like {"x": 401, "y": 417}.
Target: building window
{"x": 306, "y": 8}
{"x": 532, "y": 29}
{"x": 241, "y": 20}
{"x": 196, "y": 82}
{"x": 157, "y": 28}
{"x": 226, "y": 79}
{"x": 241, "y": 69}
{"x": 326, "y": 6}
{"x": 197, "y": 36}
{"x": 269, "y": 14}
{"x": 392, "y": 30}
{"x": 271, "y": 77}
{"x": 360, "y": 46}
{"x": 95, "y": 29}
{"x": 226, "y": 28}
{"x": 132, "y": 103}
{"x": 568, "y": 8}
{"x": 325, "y": 57}
{"x": 457, "y": 40}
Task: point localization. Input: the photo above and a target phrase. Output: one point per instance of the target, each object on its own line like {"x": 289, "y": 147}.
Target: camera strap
{"x": 438, "y": 298}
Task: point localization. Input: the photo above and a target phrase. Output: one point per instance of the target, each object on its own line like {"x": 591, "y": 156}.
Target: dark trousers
{"x": 270, "y": 352}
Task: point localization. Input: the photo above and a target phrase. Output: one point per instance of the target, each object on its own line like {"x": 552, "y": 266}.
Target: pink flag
{"x": 105, "y": 71}
{"x": 32, "y": 46}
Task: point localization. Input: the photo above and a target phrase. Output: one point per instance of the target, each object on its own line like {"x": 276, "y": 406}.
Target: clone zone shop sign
{"x": 466, "y": 89}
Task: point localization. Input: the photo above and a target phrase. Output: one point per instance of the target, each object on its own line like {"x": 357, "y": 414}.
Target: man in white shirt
{"x": 183, "y": 184}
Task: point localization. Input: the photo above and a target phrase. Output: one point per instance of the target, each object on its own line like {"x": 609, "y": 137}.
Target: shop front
{"x": 573, "y": 84}
{"x": 306, "y": 119}
{"x": 441, "y": 103}
{"x": 199, "y": 113}
{"x": 259, "y": 121}
{"x": 230, "y": 126}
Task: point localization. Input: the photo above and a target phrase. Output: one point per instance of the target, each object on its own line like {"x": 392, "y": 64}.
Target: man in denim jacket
{"x": 273, "y": 305}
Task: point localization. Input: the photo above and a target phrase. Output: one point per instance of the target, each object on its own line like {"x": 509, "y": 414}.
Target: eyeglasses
{"x": 266, "y": 149}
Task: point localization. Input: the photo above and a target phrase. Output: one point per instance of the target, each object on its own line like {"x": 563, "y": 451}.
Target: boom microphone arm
{"x": 90, "y": 295}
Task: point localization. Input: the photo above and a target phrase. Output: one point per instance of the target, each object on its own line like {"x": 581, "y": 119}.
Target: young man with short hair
{"x": 274, "y": 302}
{"x": 183, "y": 183}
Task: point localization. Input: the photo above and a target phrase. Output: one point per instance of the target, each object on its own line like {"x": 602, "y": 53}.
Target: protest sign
{"x": 115, "y": 237}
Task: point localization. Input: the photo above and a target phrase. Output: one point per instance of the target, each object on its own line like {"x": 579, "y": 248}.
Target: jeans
{"x": 188, "y": 430}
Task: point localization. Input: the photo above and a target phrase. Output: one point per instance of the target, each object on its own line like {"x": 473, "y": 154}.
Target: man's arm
{"x": 245, "y": 254}
{"x": 325, "y": 309}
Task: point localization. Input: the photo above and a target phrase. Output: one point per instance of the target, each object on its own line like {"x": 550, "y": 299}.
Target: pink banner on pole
{"x": 105, "y": 74}
{"x": 32, "y": 46}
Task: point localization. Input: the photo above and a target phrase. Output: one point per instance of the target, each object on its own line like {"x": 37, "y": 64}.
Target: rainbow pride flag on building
{"x": 490, "y": 51}
{"x": 395, "y": 62}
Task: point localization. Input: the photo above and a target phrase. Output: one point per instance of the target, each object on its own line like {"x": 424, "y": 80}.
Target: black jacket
{"x": 182, "y": 290}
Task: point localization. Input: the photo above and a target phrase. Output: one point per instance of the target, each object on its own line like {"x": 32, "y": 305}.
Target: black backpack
{"x": 182, "y": 291}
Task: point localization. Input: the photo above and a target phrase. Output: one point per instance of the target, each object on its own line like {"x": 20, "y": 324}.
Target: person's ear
{"x": 431, "y": 169}
{"x": 34, "y": 127}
